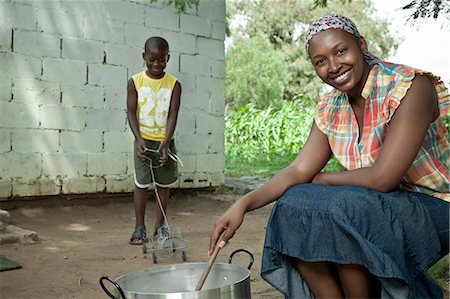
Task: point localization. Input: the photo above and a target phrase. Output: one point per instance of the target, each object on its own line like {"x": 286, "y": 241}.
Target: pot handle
{"x": 230, "y": 259}
{"x": 115, "y": 284}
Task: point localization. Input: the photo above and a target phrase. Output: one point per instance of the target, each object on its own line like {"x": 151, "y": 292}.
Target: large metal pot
{"x": 178, "y": 281}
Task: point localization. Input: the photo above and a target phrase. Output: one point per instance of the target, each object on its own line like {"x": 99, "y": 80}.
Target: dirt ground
{"x": 84, "y": 239}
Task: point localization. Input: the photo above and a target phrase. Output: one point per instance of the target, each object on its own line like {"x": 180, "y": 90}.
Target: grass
{"x": 440, "y": 272}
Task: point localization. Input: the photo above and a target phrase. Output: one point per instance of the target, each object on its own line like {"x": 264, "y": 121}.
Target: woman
{"x": 373, "y": 230}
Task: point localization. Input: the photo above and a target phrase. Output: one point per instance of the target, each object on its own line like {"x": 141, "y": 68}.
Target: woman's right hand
{"x": 228, "y": 223}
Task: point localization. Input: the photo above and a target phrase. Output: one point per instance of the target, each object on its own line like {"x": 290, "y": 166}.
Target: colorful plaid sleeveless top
{"x": 386, "y": 86}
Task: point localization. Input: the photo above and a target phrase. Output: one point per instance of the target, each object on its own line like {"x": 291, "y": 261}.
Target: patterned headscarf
{"x": 335, "y": 21}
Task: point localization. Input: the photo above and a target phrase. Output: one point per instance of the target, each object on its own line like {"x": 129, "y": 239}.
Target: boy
{"x": 153, "y": 101}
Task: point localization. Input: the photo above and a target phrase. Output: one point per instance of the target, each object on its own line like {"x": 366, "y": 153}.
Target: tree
{"x": 256, "y": 73}
{"x": 284, "y": 24}
{"x": 423, "y": 8}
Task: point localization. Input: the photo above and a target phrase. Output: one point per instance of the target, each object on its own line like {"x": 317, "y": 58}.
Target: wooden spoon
{"x": 209, "y": 265}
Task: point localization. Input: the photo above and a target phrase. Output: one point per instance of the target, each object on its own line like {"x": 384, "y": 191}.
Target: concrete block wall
{"x": 65, "y": 64}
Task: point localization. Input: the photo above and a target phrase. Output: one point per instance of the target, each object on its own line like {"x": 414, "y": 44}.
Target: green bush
{"x": 251, "y": 132}
{"x": 256, "y": 73}
{"x": 260, "y": 142}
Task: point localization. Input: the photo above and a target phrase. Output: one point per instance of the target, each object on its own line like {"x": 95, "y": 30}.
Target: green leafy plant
{"x": 180, "y": 5}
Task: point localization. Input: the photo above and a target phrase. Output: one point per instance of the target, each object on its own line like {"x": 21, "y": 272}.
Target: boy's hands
{"x": 163, "y": 150}
{"x": 140, "y": 148}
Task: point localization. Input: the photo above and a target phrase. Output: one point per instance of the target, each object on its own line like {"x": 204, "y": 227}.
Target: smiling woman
{"x": 354, "y": 233}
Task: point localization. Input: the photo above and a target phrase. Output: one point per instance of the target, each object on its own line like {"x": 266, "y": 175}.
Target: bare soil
{"x": 84, "y": 239}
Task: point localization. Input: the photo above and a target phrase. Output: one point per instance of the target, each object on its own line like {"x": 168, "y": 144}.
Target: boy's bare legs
{"x": 139, "y": 235}
{"x": 140, "y": 200}
{"x": 327, "y": 280}
{"x": 163, "y": 193}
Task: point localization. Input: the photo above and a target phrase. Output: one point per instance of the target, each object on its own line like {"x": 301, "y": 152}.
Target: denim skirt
{"x": 392, "y": 234}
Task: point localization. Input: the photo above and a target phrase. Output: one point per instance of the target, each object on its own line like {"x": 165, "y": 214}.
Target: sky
{"x": 426, "y": 45}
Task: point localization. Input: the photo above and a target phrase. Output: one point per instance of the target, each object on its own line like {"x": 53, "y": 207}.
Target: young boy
{"x": 153, "y": 101}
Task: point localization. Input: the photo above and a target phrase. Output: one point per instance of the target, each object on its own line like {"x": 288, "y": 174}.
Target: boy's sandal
{"x": 138, "y": 237}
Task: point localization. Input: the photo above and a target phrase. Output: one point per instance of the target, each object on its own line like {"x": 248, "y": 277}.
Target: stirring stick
{"x": 209, "y": 265}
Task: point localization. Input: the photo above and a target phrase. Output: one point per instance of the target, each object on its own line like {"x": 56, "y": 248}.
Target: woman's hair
{"x": 335, "y": 21}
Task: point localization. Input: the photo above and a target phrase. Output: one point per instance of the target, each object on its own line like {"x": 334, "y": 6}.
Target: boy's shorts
{"x": 164, "y": 175}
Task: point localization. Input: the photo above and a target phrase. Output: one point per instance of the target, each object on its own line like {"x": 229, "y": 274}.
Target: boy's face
{"x": 156, "y": 60}
{"x": 338, "y": 59}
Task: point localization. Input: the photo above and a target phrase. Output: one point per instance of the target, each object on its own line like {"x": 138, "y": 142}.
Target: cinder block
{"x": 216, "y": 144}
{"x": 96, "y": 27}
{"x": 5, "y": 140}
{"x": 218, "y": 69}
{"x": 195, "y": 25}
{"x": 36, "y": 91}
{"x": 64, "y": 70}
{"x": 14, "y": 15}
{"x": 61, "y": 117}
{"x": 5, "y": 191}
{"x": 217, "y": 179}
{"x": 186, "y": 123}
{"x": 212, "y": 9}
{"x": 35, "y": 141}
{"x": 116, "y": 96}
{"x": 188, "y": 83}
{"x": 180, "y": 42}
{"x": 209, "y": 124}
{"x": 106, "y": 120}
{"x": 210, "y": 162}
{"x": 82, "y": 95}
{"x": 79, "y": 185}
{"x": 211, "y": 48}
{"x": 118, "y": 141}
{"x": 81, "y": 49}
{"x": 106, "y": 163}
{"x": 37, "y": 44}
{"x": 136, "y": 35}
{"x": 25, "y": 187}
{"x": 117, "y": 184}
{"x": 192, "y": 144}
{"x": 124, "y": 55}
{"x": 125, "y": 11}
{"x": 20, "y": 66}
{"x": 195, "y": 64}
{"x": 5, "y": 39}
{"x": 217, "y": 104}
{"x": 5, "y": 89}
{"x": 107, "y": 75}
{"x": 189, "y": 163}
{"x": 67, "y": 164}
{"x": 130, "y": 162}
{"x": 218, "y": 30}
{"x": 196, "y": 103}
{"x": 82, "y": 142}
{"x": 164, "y": 18}
{"x": 50, "y": 186}
{"x": 60, "y": 22}
{"x": 14, "y": 164}
{"x": 13, "y": 115}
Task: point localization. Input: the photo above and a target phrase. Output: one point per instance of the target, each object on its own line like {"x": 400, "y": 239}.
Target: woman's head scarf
{"x": 335, "y": 21}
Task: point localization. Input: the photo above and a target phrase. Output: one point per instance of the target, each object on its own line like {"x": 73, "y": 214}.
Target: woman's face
{"x": 337, "y": 57}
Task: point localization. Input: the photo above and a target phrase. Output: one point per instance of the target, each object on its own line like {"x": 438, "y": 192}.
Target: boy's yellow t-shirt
{"x": 153, "y": 104}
